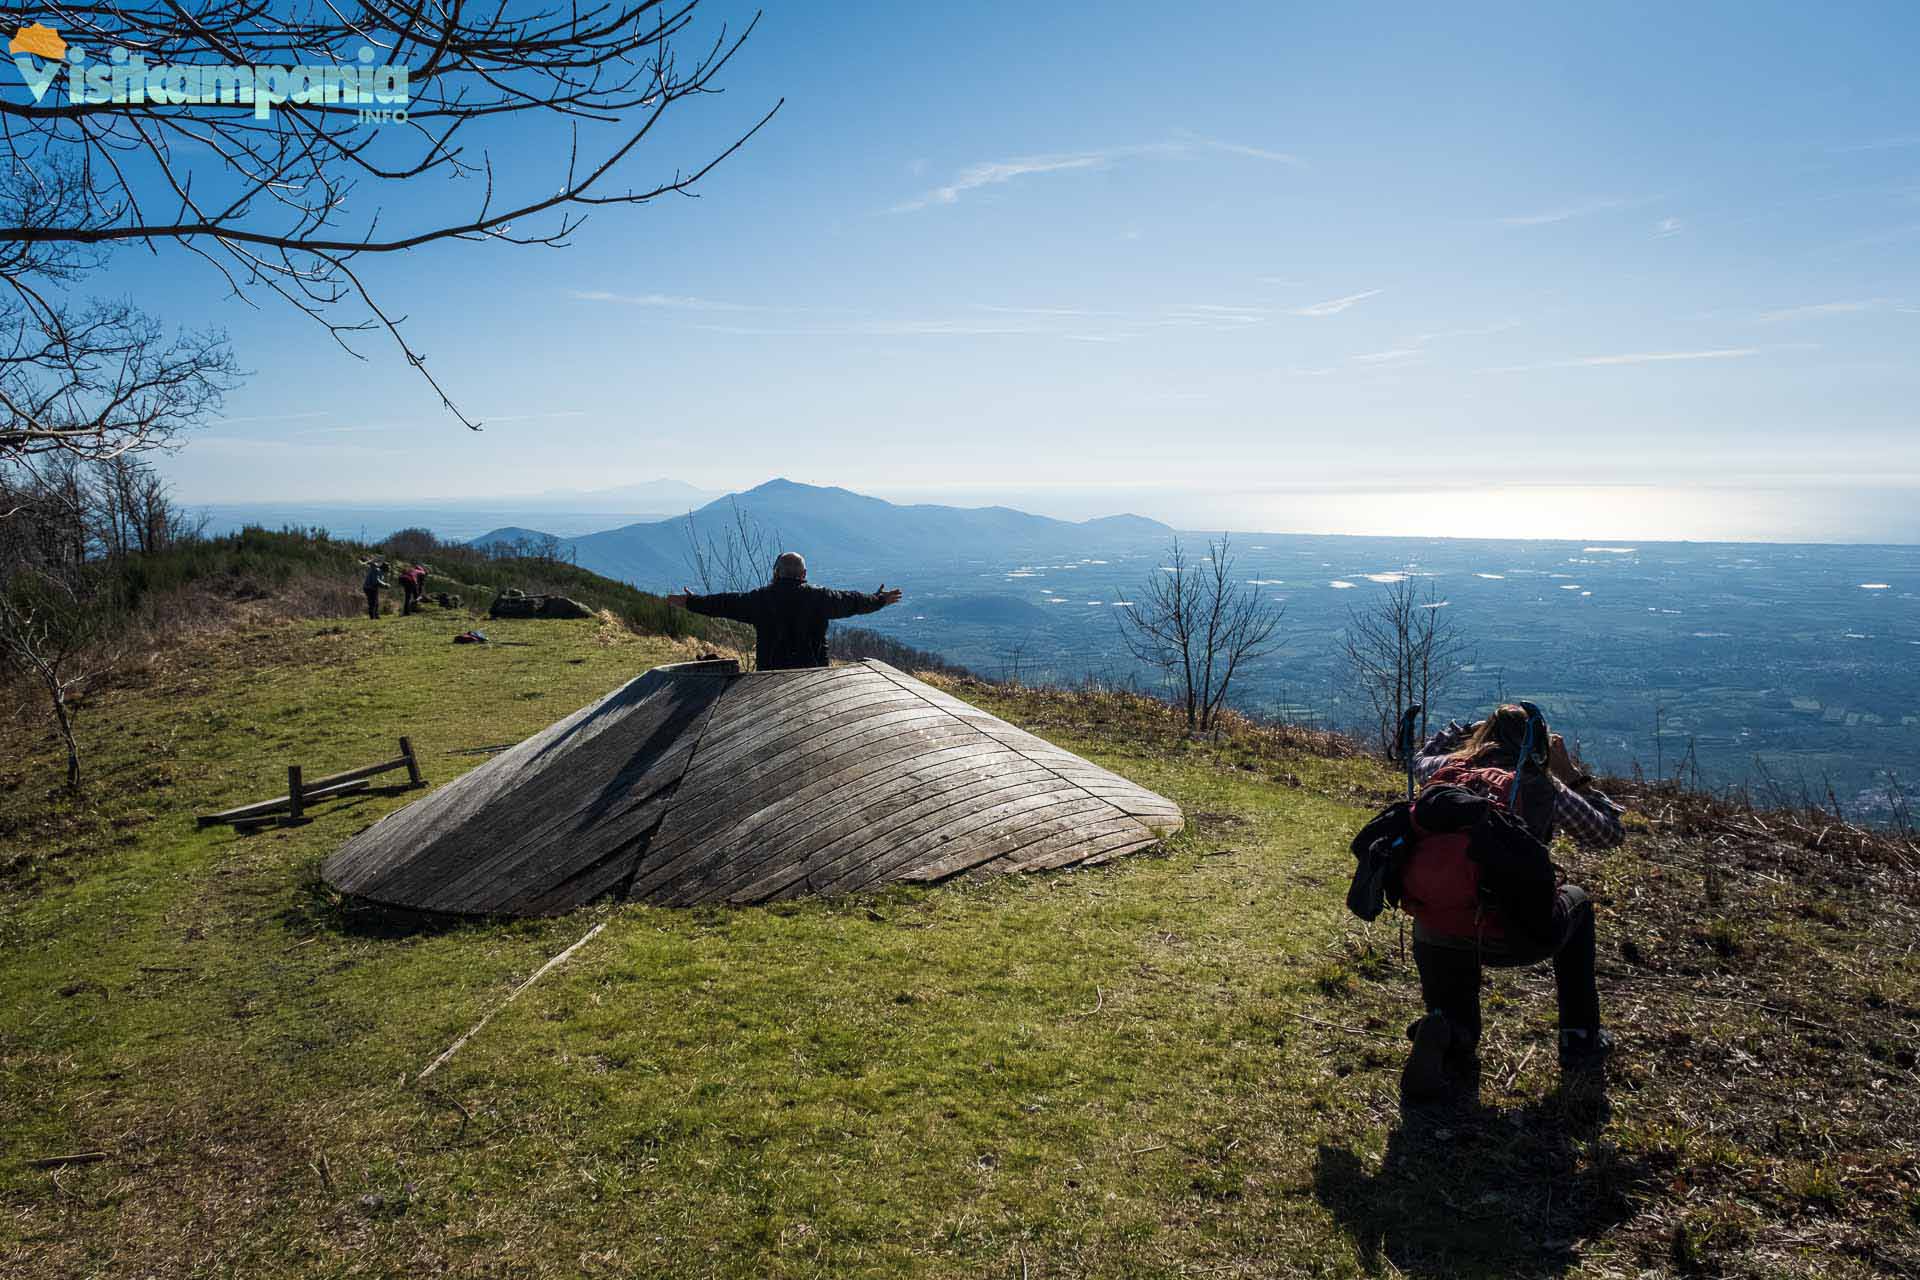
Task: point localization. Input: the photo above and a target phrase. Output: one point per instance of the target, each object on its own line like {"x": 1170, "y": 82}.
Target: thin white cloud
{"x": 1039, "y": 311}
{"x": 1210, "y": 315}
{"x": 1335, "y": 306}
{"x": 337, "y": 431}
{"x": 994, "y": 173}
{"x": 1076, "y": 324}
{"x": 1388, "y": 356}
{"x": 1258, "y": 153}
{"x": 1668, "y": 227}
{"x": 1832, "y": 309}
{"x": 979, "y": 319}
{"x": 1635, "y": 357}
{"x": 1880, "y": 144}
{"x": 1565, "y": 214}
{"x": 271, "y": 417}
{"x": 903, "y": 328}
{"x": 1478, "y": 331}
{"x": 668, "y": 301}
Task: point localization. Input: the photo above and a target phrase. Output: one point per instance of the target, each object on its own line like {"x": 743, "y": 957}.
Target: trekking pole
{"x": 1535, "y": 746}
{"x": 1408, "y": 719}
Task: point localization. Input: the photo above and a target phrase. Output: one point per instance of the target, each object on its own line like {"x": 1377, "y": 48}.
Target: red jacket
{"x": 1440, "y": 886}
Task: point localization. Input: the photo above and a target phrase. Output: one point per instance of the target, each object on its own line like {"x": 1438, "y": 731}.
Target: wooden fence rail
{"x": 291, "y": 807}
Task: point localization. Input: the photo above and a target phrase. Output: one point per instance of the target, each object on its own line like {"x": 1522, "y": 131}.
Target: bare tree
{"x": 1403, "y": 650}
{"x": 1198, "y": 625}
{"x": 731, "y": 554}
{"x": 1013, "y": 657}
{"x": 49, "y": 628}
{"x": 102, "y": 381}
{"x": 280, "y": 187}
{"x": 58, "y": 513}
{"x": 734, "y": 555}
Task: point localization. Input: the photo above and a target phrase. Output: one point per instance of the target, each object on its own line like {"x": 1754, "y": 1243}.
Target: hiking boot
{"x": 1583, "y": 1051}
{"x": 1425, "y": 1076}
{"x": 1462, "y": 1056}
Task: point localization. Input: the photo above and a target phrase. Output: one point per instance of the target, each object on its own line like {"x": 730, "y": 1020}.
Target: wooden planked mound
{"x": 696, "y": 783}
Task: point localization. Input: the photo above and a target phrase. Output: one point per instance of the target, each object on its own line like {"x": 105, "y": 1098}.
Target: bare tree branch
{"x": 284, "y": 199}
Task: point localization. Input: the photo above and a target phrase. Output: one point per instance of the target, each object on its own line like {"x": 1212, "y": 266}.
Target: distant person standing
{"x": 413, "y": 583}
{"x": 376, "y": 578}
{"x": 789, "y": 616}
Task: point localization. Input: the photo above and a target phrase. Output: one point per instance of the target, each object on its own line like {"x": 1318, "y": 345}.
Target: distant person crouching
{"x": 1457, "y": 928}
{"x": 413, "y": 582}
{"x": 789, "y": 616}
{"x": 376, "y": 578}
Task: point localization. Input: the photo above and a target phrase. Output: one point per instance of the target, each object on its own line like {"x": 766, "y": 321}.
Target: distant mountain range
{"x": 843, "y": 533}
{"x": 566, "y": 512}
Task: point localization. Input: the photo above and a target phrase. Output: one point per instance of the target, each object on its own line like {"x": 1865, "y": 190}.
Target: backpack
{"x": 1386, "y": 844}
{"x": 1458, "y": 861}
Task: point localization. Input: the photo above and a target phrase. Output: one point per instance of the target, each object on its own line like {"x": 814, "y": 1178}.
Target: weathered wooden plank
{"x": 696, "y": 785}
{"x": 799, "y": 714}
{"x": 880, "y": 812}
{"x": 840, "y": 737}
{"x": 907, "y": 752}
{"x": 1065, "y": 848}
{"x": 606, "y": 811}
{"x": 713, "y": 792}
{"x": 1004, "y": 838}
{"x": 887, "y": 819}
{"x": 1000, "y": 827}
{"x": 1098, "y": 781}
{"x": 539, "y": 816}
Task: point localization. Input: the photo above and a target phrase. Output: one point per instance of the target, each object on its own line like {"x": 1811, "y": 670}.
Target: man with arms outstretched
{"x": 788, "y": 615}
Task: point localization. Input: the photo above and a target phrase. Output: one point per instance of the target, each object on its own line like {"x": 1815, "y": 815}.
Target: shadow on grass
{"x": 1474, "y": 1191}
{"x": 317, "y": 907}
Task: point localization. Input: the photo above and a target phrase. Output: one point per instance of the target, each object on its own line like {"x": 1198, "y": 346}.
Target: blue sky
{"x": 1625, "y": 270}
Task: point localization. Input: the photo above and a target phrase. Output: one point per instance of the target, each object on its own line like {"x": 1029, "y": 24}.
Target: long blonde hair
{"x": 1496, "y": 742}
{"x": 1497, "y": 739}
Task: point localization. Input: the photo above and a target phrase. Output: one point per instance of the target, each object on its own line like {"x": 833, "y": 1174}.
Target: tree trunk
{"x": 64, "y": 719}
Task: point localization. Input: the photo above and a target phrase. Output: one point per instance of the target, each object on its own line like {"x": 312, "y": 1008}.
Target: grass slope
{"x": 306, "y": 573}
{"x": 1183, "y": 1064}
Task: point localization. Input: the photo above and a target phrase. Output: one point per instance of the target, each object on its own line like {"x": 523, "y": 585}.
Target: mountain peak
{"x": 780, "y": 485}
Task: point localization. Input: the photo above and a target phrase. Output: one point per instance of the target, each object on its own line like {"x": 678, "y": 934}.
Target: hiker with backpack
{"x": 1469, "y": 858}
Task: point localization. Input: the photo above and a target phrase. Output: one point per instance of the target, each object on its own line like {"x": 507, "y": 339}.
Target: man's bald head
{"x": 790, "y": 565}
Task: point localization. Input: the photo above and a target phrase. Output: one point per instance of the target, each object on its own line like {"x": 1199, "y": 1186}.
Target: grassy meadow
{"x": 1183, "y": 1064}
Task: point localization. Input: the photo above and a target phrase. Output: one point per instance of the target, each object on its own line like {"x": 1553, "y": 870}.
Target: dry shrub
{"x": 611, "y": 630}
{"x": 1804, "y": 835}
{"x": 165, "y": 621}
{"x": 693, "y": 649}
{"x": 1092, "y": 707}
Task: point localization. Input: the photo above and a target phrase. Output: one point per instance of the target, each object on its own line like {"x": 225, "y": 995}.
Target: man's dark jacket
{"x": 789, "y": 618}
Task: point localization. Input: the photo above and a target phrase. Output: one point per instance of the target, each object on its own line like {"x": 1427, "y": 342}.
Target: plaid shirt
{"x": 1590, "y": 818}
